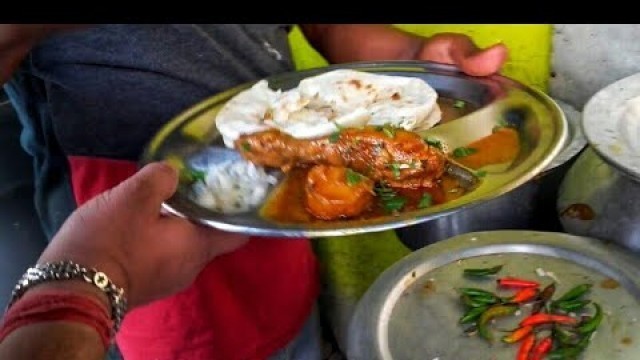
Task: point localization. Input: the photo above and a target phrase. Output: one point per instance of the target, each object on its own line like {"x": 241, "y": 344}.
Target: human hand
{"x": 122, "y": 233}
{"x": 460, "y": 50}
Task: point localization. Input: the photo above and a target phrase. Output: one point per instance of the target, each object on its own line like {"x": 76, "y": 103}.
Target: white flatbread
{"x": 322, "y": 104}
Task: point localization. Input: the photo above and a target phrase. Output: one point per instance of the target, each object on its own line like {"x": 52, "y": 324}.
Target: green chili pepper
{"x": 472, "y": 315}
{"x": 593, "y": 323}
{"x": 565, "y": 337}
{"x": 483, "y": 272}
{"x": 575, "y": 293}
{"x": 492, "y": 313}
{"x": 571, "y": 305}
{"x": 566, "y": 353}
{"x": 476, "y": 292}
{"x": 478, "y": 301}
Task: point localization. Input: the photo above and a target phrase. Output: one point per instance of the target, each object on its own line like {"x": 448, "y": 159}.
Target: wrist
{"x": 62, "y": 272}
{"x": 75, "y": 286}
{"x": 91, "y": 258}
{"x": 69, "y": 314}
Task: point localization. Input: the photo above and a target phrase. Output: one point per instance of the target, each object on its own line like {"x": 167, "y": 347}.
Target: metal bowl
{"x": 600, "y": 195}
{"x": 541, "y": 125}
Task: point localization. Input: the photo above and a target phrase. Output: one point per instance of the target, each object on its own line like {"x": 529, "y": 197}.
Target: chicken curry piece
{"x": 362, "y": 173}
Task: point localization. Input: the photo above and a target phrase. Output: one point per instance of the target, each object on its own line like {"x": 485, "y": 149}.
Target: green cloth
{"x": 351, "y": 264}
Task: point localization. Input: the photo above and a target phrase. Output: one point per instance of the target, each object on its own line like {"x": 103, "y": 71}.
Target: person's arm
{"x": 123, "y": 234}
{"x": 56, "y": 340}
{"x": 341, "y": 43}
{"x": 16, "y": 40}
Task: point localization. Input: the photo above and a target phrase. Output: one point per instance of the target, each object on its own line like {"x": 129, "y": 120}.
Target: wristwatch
{"x": 68, "y": 270}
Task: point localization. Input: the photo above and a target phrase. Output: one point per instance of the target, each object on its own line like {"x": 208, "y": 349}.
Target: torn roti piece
{"x": 323, "y": 104}
{"x": 245, "y": 112}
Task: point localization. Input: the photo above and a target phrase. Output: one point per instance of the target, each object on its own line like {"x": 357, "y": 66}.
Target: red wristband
{"x": 58, "y": 305}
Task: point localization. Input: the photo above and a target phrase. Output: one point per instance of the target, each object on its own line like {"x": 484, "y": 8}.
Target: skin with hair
{"x": 122, "y": 231}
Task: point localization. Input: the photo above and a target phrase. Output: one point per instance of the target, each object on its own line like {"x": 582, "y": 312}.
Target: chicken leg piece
{"x": 397, "y": 157}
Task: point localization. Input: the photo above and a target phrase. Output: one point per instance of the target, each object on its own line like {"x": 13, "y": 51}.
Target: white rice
{"x": 233, "y": 187}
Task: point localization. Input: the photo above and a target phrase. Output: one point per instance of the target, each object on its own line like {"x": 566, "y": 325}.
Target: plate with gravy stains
{"x": 412, "y": 309}
{"x": 496, "y": 132}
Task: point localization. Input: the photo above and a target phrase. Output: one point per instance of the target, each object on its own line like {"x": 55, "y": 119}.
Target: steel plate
{"x": 613, "y": 129}
{"x": 411, "y": 310}
{"x": 541, "y": 125}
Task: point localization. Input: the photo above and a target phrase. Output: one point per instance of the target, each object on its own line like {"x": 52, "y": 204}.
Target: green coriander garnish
{"x": 387, "y": 129}
{"x": 353, "y": 177}
{"x": 333, "y": 138}
{"x": 246, "y": 146}
{"x": 459, "y": 104}
{"x": 434, "y": 143}
{"x": 425, "y": 201}
{"x": 395, "y": 169}
{"x": 463, "y": 151}
{"x": 394, "y": 204}
{"x": 501, "y": 124}
{"x": 389, "y": 199}
{"x": 196, "y": 175}
{"x": 481, "y": 173}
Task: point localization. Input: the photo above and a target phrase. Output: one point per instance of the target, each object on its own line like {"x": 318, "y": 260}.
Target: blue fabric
{"x": 106, "y": 90}
{"x": 307, "y": 345}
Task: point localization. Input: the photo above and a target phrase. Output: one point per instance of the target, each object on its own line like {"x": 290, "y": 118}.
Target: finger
{"x": 197, "y": 241}
{"x": 477, "y": 62}
{"x": 221, "y": 242}
{"x": 147, "y": 189}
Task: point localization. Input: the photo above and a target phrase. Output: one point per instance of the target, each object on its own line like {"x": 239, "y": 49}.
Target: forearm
{"x": 53, "y": 341}
{"x": 353, "y": 42}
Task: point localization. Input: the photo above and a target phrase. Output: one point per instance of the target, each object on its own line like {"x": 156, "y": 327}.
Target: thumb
{"x": 480, "y": 62}
{"x": 148, "y": 188}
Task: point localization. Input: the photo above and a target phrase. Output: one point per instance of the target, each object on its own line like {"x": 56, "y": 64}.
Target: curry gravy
{"x": 286, "y": 204}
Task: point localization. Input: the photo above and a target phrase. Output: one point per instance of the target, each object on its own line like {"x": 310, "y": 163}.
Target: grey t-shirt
{"x": 103, "y": 92}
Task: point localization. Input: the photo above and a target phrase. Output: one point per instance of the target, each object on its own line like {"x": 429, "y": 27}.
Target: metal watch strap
{"x": 68, "y": 270}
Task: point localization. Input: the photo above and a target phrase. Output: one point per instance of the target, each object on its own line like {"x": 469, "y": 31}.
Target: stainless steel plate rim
{"x": 606, "y": 129}
{"x": 367, "y": 337}
{"x": 554, "y": 146}
{"x": 577, "y": 140}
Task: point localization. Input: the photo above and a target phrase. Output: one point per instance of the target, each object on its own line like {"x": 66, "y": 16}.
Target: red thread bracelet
{"x": 58, "y": 305}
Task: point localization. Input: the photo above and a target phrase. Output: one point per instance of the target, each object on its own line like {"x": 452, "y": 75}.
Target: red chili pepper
{"x": 517, "y": 334}
{"x": 540, "y": 350}
{"x": 524, "y": 295}
{"x": 526, "y": 346}
{"x": 517, "y": 283}
{"x": 543, "y": 318}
